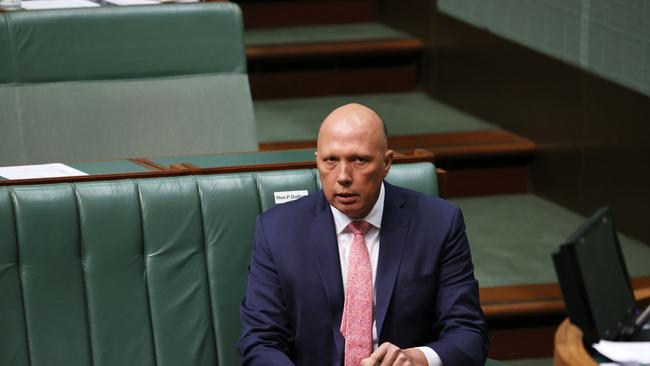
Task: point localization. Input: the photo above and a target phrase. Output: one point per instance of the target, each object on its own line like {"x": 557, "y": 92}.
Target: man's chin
{"x": 353, "y": 211}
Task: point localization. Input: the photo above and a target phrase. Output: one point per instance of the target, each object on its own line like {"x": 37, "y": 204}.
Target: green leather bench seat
{"x": 118, "y": 82}
{"x": 137, "y": 272}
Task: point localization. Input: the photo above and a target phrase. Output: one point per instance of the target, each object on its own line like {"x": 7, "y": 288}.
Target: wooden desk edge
{"x": 538, "y": 299}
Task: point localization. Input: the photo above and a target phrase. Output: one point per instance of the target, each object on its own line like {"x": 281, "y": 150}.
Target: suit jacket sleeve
{"x": 462, "y": 338}
{"x": 266, "y": 335}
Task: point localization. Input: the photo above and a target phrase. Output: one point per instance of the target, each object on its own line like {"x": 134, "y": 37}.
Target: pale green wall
{"x": 610, "y": 38}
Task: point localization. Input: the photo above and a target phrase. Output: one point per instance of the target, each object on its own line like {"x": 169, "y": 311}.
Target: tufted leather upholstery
{"x": 136, "y": 272}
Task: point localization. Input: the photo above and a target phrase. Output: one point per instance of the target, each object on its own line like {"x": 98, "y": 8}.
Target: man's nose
{"x": 344, "y": 176}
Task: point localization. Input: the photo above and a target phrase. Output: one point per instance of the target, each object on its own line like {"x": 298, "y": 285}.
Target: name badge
{"x": 287, "y": 196}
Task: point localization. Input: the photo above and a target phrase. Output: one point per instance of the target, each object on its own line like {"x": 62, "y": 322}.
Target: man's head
{"x": 353, "y": 158}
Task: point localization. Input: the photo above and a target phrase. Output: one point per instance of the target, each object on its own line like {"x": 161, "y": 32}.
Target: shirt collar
{"x": 341, "y": 221}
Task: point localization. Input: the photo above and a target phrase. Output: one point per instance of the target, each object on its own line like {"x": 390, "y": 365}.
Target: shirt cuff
{"x": 432, "y": 357}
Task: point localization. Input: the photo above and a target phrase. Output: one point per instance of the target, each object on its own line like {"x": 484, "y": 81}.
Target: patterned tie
{"x": 356, "y": 324}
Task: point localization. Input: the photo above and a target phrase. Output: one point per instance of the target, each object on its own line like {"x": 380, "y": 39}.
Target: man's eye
{"x": 361, "y": 160}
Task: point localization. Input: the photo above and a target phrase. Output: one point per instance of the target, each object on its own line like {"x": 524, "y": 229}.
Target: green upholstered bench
{"x": 138, "y": 271}
{"x": 117, "y": 82}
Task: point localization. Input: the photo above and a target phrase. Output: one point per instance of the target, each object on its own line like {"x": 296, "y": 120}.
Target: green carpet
{"x": 322, "y": 33}
{"x": 404, "y": 114}
{"x": 512, "y": 238}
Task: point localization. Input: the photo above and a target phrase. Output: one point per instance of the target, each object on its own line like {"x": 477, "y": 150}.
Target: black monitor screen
{"x": 604, "y": 274}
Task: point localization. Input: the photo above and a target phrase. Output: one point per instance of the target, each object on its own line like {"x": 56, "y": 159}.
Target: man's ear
{"x": 388, "y": 161}
{"x": 317, "y": 159}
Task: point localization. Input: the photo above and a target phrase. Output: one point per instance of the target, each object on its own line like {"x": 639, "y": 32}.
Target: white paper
{"x": 635, "y": 352}
{"x": 57, "y": 4}
{"x": 39, "y": 171}
{"x": 283, "y": 197}
{"x": 9, "y": 4}
{"x": 133, "y": 2}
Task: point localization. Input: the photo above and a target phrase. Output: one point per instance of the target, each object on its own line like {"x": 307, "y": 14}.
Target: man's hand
{"x": 389, "y": 354}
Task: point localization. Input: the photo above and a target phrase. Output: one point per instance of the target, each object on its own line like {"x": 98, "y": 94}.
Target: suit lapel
{"x": 392, "y": 238}
{"x": 322, "y": 237}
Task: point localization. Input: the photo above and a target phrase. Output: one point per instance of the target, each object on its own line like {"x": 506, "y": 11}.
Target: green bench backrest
{"x": 118, "y": 82}
{"x": 136, "y": 272}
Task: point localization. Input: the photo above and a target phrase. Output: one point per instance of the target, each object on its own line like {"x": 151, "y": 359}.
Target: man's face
{"x": 352, "y": 161}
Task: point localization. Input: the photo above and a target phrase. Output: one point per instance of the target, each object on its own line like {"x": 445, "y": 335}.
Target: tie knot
{"x": 359, "y": 227}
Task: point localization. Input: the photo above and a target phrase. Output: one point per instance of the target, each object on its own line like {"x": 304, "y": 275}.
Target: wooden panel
{"x": 487, "y": 180}
{"x": 321, "y": 49}
{"x": 519, "y": 343}
{"x": 467, "y": 144}
{"x": 260, "y": 13}
{"x": 506, "y": 301}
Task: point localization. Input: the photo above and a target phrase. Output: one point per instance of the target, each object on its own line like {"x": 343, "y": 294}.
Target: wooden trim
{"x": 538, "y": 299}
{"x": 443, "y": 145}
{"x": 177, "y": 166}
{"x": 484, "y": 149}
{"x": 521, "y": 299}
{"x": 148, "y": 164}
{"x": 328, "y": 49}
{"x": 472, "y": 143}
{"x": 491, "y": 136}
{"x": 190, "y": 166}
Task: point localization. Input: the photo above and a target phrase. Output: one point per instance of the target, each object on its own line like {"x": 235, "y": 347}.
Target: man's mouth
{"x": 346, "y": 197}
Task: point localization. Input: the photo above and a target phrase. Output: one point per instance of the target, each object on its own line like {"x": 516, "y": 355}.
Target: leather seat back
{"x": 118, "y": 82}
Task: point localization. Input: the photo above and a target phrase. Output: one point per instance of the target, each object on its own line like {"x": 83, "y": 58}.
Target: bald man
{"x": 362, "y": 272}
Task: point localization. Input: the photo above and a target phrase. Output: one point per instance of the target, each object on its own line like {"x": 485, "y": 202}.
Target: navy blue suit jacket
{"x": 426, "y": 293}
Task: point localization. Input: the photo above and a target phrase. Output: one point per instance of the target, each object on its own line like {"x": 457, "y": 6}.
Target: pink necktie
{"x": 356, "y": 324}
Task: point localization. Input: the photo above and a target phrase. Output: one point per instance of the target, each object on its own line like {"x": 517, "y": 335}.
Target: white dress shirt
{"x": 344, "y": 237}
